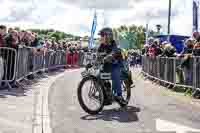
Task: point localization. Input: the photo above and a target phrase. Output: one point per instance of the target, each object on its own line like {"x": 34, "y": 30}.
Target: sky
{"x": 75, "y": 16}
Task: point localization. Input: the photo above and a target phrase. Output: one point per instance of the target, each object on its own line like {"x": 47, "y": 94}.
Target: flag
{"x": 94, "y": 25}
{"x": 195, "y": 15}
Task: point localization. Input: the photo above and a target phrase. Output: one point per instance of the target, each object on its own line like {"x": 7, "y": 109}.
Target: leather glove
{"x": 108, "y": 59}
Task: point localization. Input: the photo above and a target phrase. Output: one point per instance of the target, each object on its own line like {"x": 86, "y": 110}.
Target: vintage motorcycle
{"x": 96, "y": 86}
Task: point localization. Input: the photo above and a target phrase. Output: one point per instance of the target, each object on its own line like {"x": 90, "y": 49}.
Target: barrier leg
{"x": 75, "y": 58}
{"x": 66, "y": 58}
{"x": 20, "y": 85}
{"x": 26, "y": 81}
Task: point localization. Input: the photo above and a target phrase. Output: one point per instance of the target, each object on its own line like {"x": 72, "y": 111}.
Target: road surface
{"x": 151, "y": 109}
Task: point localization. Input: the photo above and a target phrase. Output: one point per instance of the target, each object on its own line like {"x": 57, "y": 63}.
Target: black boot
{"x": 121, "y": 101}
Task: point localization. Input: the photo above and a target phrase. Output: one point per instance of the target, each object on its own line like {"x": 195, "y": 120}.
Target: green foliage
{"x": 51, "y": 33}
{"x": 17, "y": 28}
{"x": 134, "y": 35}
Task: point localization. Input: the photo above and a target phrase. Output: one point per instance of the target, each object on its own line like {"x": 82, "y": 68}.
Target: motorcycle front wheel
{"x": 90, "y": 91}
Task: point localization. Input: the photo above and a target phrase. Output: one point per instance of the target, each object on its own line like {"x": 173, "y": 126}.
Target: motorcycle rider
{"x": 109, "y": 46}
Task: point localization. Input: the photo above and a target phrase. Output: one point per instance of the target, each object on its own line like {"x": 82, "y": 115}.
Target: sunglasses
{"x": 102, "y": 34}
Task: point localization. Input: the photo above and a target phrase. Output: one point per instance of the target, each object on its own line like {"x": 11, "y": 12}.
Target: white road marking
{"x": 43, "y": 122}
{"x": 167, "y": 126}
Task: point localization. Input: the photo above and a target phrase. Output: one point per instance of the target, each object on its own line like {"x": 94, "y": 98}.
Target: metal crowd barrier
{"x": 170, "y": 70}
{"x": 81, "y": 58}
{"x": 16, "y": 65}
{"x": 89, "y": 58}
{"x": 8, "y": 62}
{"x": 23, "y": 63}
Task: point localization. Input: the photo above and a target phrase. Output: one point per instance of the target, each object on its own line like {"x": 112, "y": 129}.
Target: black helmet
{"x": 106, "y": 31}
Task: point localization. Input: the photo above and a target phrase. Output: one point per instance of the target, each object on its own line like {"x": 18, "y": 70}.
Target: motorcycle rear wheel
{"x": 126, "y": 91}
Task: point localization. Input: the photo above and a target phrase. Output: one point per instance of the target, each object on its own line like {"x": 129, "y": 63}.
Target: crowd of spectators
{"x": 165, "y": 49}
{"x": 134, "y": 58}
{"x": 19, "y": 39}
{"x": 154, "y": 48}
{"x": 14, "y": 39}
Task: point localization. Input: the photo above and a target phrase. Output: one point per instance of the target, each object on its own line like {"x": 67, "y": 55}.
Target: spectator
{"x": 152, "y": 50}
{"x": 64, "y": 45}
{"x": 169, "y": 50}
{"x": 27, "y": 38}
{"x": 195, "y": 35}
{"x": 35, "y": 42}
{"x": 159, "y": 50}
{"x": 145, "y": 49}
{"x": 21, "y": 36}
{"x": 10, "y": 29}
{"x": 152, "y": 47}
{"x": 196, "y": 50}
{"x": 186, "y": 64}
{"x": 2, "y": 35}
{"x": 12, "y": 39}
{"x": 189, "y": 44}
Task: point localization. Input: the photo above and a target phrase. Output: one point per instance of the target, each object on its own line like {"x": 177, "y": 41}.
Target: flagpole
{"x": 169, "y": 19}
{"x": 93, "y": 29}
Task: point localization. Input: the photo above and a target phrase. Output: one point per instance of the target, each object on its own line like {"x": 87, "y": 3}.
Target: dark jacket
{"x": 169, "y": 52}
{"x": 9, "y": 42}
{"x": 196, "y": 52}
{"x": 106, "y": 48}
{"x": 2, "y": 41}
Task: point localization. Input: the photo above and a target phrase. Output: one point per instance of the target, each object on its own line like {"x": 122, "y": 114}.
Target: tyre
{"x": 95, "y": 93}
{"x": 1, "y": 68}
{"x": 126, "y": 91}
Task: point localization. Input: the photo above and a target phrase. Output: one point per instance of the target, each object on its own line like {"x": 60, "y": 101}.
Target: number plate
{"x": 106, "y": 76}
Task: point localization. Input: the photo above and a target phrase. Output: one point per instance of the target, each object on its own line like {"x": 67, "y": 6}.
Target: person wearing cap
{"x": 113, "y": 64}
{"x": 195, "y": 35}
{"x": 159, "y": 50}
{"x": 145, "y": 49}
{"x": 169, "y": 50}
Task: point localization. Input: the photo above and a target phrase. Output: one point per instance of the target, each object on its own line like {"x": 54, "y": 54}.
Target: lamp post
{"x": 195, "y": 15}
{"x": 169, "y": 19}
{"x": 169, "y": 16}
{"x": 147, "y": 26}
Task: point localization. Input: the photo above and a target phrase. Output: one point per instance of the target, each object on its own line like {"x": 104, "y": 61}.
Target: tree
{"x": 17, "y": 28}
{"x": 134, "y": 35}
{"x": 53, "y": 33}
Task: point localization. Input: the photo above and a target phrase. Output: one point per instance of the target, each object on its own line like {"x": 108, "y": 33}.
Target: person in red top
{"x": 195, "y": 35}
{"x": 2, "y": 35}
{"x": 152, "y": 48}
{"x": 75, "y": 56}
{"x": 152, "y": 51}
